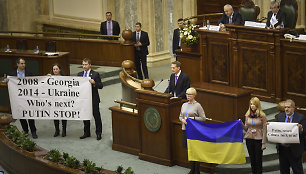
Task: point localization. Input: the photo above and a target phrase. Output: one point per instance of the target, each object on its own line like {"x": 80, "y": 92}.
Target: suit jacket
{"x": 296, "y": 149}
{"x": 26, "y": 73}
{"x": 176, "y": 40}
{"x": 280, "y": 16}
{"x": 182, "y": 84}
{"x": 144, "y": 39}
{"x": 237, "y": 18}
{"x": 116, "y": 28}
{"x": 96, "y": 77}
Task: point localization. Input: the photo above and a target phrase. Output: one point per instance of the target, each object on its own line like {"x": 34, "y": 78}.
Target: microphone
{"x": 158, "y": 83}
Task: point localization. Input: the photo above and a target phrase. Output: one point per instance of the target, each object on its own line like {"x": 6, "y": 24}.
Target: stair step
{"x": 110, "y": 80}
{"x": 269, "y": 108}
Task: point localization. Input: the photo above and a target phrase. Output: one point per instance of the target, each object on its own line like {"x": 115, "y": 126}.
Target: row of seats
{"x": 249, "y": 11}
{"x": 22, "y": 45}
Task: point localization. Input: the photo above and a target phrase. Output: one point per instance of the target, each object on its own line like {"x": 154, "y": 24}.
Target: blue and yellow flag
{"x": 215, "y": 143}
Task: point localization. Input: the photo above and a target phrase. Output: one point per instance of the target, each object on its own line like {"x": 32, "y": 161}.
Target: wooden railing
{"x": 57, "y": 34}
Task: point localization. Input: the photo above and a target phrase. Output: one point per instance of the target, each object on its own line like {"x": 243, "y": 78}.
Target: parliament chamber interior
{"x": 228, "y": 64}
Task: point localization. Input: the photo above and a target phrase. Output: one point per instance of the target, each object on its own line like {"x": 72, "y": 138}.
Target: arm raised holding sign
{"x": 57, "y": 71}
{"x": 291, "y": 154}
{"x": 95, "y": 80}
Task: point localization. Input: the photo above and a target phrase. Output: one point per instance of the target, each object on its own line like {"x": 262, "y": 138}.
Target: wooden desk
{"x": 223, "y": 103}
{"x": 101, "y": 52}
{"x": 38, "y": 64}
{"x": 249, "y": 58}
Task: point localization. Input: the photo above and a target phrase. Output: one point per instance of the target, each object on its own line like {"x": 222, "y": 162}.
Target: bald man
{"x": 230, "y": 16}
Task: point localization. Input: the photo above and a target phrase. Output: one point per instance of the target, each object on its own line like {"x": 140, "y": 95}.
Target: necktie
{"x": 288, "y": 119}
{"x": 175, "y": 80}
{"x": 109, "y": 28}
{"x": 85, "y": 74}
{"x": 137, "y": 37}
{"x": 137, "y": 40}
{"x": 230, "y": 20}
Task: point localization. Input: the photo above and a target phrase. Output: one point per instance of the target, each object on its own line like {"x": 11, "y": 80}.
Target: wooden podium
{"x": 155, "y": 111}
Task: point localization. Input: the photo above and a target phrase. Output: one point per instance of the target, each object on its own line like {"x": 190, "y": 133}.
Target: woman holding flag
{"x": 256, "y": 129}
{"x": 191, "y": 109}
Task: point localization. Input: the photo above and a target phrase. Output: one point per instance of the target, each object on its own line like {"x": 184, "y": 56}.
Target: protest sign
{"x": 279, "y": 132}
{"x": 50, "y": 97}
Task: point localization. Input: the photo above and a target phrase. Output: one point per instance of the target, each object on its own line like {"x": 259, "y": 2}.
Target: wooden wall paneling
{"x": 125, "y": 128}
{"x": 191, "y": 64}
{"x": 223, "y": 103}
{"x": 155, "y": 146}
{"x": 218, "y": 61}
{"x": 294, "y": 71}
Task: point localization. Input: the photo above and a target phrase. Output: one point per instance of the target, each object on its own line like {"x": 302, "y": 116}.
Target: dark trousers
{"x": 287, "y": 159}
{"x": 98, "y": 121}
{"x": 141, "y": 58}
{"x": 24, "y": 125}
{"x": 255, "y": 152}
{"x": 184, "y": 139}
{"x": 56, "y": 124}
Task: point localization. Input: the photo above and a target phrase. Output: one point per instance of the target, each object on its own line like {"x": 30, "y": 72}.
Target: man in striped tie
{"x": 179, "y": 81}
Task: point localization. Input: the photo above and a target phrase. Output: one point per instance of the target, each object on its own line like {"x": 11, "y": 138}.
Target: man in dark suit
{"x": 141, "y": 40}
{"x": 276, "y": 18}
{"x": 22, "y": 72}
{"x": 176, "y": 42}
{"x": 230, "y": 16}
{"x": 110, "y": 27}
{"x": 179, "y": 81}
{"x": 291, "y": 154}
{"x": 95, "y": 85}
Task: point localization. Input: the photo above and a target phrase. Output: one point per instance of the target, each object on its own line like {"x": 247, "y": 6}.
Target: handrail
{"x": 133, "y": 105}
{"x": 56, "y": 33}
{"x": 133, "y": 78}
{"x": 126, "y": 103}
{"x": 203, "y": 15}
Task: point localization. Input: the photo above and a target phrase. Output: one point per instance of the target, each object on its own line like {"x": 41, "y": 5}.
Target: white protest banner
{"x": 279, "y": 132}
{"x": 50, "y": 97}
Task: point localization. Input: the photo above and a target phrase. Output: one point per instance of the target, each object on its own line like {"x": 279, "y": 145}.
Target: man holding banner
{"x": 95, "y": 84}
{"x": 22, "y": 72}
{"x": 291, "y": 154}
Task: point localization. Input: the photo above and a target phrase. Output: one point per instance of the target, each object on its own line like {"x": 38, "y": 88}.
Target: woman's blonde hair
{"x": 256, "y": 102}
{"x": 191, "y": 91}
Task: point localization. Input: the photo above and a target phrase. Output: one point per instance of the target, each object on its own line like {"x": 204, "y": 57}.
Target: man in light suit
{"x": 179, "y": 81}
{"x": 22, "y": 72}
{"x": 276, "y": 17}
{"x": 230, "y": 16}
{"x": 291, "y": 154}
{"x": 176, "y": 42}
{"x": 110, "y": 27}
{"x": 141, "y": 40}
{"x": 95, "y": 85}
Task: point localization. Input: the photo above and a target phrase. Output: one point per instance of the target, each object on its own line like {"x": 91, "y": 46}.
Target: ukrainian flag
{"x": 215, "y": 143}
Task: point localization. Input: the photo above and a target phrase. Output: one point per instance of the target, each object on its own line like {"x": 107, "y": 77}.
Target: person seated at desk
{"x": 276, "y": 18}
{"x": 179, "y": 81}
{"x": 230, "y": 16}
